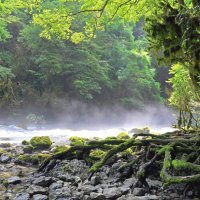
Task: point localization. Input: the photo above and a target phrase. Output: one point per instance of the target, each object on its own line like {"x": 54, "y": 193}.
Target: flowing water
{"x": 14, "y": 134}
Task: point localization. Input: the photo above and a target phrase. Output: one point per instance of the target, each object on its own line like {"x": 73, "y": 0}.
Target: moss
{"x": 128, "y": 152}
{"x": 25, "y": 142}
{"x": 59, "y": 149}
{"x": 2, "y": 151}
{"x": 28, "y": 149}
{"x": 77, "y": 141}
{"x": 5, "y": 183}
{"x": 123, "y": 135}
{"x": 182, "y": 165}
{"x": 97, "y": 153}
{"x": 42, "y": 142}
{"x": 24, "y": 158}
{"x": 111, "y": 138}
{"x": 33, "y": 159}
{"x": 38, "y": 158}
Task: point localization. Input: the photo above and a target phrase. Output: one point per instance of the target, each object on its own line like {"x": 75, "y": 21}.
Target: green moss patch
{"x": 42, "y": 142}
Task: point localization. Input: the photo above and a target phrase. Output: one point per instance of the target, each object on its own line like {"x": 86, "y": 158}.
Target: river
{"x": 14, "y": 134}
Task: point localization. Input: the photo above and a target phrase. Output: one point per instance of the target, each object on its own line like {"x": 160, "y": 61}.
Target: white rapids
{"x": 14, "y": 134}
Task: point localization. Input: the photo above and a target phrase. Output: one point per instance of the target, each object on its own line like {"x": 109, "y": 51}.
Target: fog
{"x": 78, "y": 119}
{"x": 77, "y": 115}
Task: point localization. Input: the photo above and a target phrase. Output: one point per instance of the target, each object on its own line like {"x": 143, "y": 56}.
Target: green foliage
{"x": 184, "y": 98}
{"x": 42, "y": 142}
{"x": 113, "y": 67}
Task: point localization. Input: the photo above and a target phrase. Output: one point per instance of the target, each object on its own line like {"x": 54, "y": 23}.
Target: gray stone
{"x": 112, "y": 193}
{"x": 154, "y": 184}
{"x": 58, "y": 184}
{"x": 129, "y": 182}
{"x": 43, "y": 181}
{"x": 124, "y": 189}
{"x": 122, "y": 198}
{"x": 14, "y": 180}
{"x": 97, "y": 196}
{"x": 148, "y": 197}
{"x": 5, "y": 158}
{"x": 22, "y": 197}
{"x": 35, "y": 189}
{"x": 174, "y": 195}
{"x": 138, "y": 192}
{"x": 87, "y": 189}
{"x": 60, "y": 193}
{"x": 40, "y": 197}
{"x": 95, "y": 180}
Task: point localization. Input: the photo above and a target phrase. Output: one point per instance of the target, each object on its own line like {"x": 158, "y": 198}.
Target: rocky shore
{"x": 69, "y": 179}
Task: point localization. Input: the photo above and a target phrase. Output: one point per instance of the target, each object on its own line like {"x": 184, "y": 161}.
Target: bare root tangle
{"x": 175, "y": 152}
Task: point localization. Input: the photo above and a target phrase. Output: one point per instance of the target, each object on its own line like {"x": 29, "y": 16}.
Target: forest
{"x": 130, "y": 53}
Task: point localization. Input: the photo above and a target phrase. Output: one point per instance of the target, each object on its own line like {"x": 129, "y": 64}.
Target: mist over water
{"x": 78, "y": 119}
{"x": 78, "y": 116}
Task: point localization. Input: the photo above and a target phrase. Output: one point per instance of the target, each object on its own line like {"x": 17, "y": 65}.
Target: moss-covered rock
{"x": 111, "y": 138}
{"x": 28, "y": 149}
{"x": 42, "y": 142}
{"x": 2, "y": 151}
{"x": 123, "y": 135}
{"x": 32, "y": 159}
{"x": 97, "y": 153}
{"x": 61, "y": 148}
{"x": 76, "y": 141}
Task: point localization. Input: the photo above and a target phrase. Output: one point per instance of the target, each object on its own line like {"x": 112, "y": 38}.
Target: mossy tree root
{"x": 178, "y": 165}
{"x": 168, "y": 150}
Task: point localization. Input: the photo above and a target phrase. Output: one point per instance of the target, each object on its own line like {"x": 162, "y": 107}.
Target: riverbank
{"x": 69, "y": 179}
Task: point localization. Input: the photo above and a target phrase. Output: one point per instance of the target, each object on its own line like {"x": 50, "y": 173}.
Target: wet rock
{"x": 22, "y": 197}
{"x": 43, "y": 181}
{"x": 5, "y": 158}
{"x": 14, "y": 180}
{"x": 40, "y": 197}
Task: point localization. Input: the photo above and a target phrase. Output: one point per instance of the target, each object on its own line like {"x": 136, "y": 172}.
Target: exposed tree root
{"x": 177, "y": 152}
